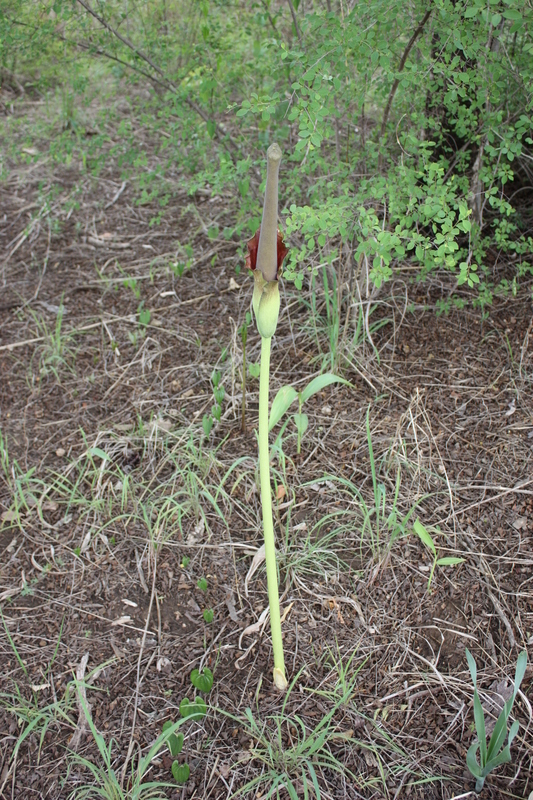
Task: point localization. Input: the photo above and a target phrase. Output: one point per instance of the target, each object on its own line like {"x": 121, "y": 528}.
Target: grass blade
{"x": 479, "y": 719}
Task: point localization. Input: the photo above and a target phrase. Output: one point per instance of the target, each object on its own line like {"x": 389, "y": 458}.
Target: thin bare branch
{"x": 403, "y": 60}
{"x": 295, "y": 20}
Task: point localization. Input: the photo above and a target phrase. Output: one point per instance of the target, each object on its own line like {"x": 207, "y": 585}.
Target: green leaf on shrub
{"x": 512, "y": 14}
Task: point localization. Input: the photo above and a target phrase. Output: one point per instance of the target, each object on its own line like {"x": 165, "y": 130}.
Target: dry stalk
{"x": 81, "y": 727}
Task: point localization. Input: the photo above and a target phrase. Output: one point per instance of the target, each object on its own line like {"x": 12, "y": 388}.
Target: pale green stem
{"x": 268, "y": 525}
{"x": 299, "y": 426}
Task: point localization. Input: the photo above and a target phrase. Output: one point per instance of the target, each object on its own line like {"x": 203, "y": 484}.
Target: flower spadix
{"x": 266, "y": 252}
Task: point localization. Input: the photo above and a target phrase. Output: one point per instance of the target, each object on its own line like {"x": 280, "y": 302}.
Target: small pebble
{"x": 60, "y": 452}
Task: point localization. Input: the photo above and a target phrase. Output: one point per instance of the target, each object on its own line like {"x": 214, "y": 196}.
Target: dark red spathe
{"x": 253, "y": 244}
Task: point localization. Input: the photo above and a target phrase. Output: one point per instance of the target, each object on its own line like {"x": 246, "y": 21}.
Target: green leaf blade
{"x": 471, "y": 761}
{"x": 203, "y": 681}
{"x": 424, "y": 536}
{"x": 479, "y": 719}
{"x": 180, "y": 772}
{"x": 319, "y": 383}
{"x": 521, "y": 666}
{"x": 302, "y": 422}
{"x": 498, "y": 735}
{"x": 471, "y": 666}
{"x": 281, "y": 403}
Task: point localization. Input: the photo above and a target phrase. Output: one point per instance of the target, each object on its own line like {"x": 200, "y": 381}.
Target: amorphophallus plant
{"x": 266, "y": 252}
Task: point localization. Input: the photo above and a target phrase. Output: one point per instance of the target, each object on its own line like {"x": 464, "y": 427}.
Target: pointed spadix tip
{"x": 274, "y": 152}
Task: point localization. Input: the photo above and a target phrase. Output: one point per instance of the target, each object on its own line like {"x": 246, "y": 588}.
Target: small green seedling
{"x": 203, "y": 681}
{"x": 180, "y": 266}
{"x": 194, "y": 710}
{"x": 202, "y": 584}
{"x": 288, "y": 394}
{"x": 218, "y": 394}
{"x": 495, "y": 754}
{"x": 254, "y": 370}
{"x": 174, "y": 741}
{"x": 144, "y": 317}
{"x": 216, "y": 409}
{"x": 425, "y": 537}
{"x": 302, "y": 423}
{"x": 185, "y": 561}
{"x": 131, "y": 283}
{"x": 103, "y": 779}
{"x": 207, "y": 424}
{"x": 180, "y": 772}
{"x": 208, "y": 615}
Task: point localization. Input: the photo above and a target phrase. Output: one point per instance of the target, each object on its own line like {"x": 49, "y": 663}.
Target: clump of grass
{"x": 299, "y": 758}
{"x": 33, "y": 716}
{"x": 105, "y": 783}
{"x": 494, "y": 754}
{"x": 55, "y": 352}
{"x": 376, "y": 516}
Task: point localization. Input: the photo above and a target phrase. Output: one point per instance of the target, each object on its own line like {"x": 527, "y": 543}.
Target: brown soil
{"x": 450, "y": 408}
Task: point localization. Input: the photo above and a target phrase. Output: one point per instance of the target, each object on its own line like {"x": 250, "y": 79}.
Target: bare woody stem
{"x": 295, "y": 21}
{"x": 163, "y": 81}
{"x": 396, "y": 83}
